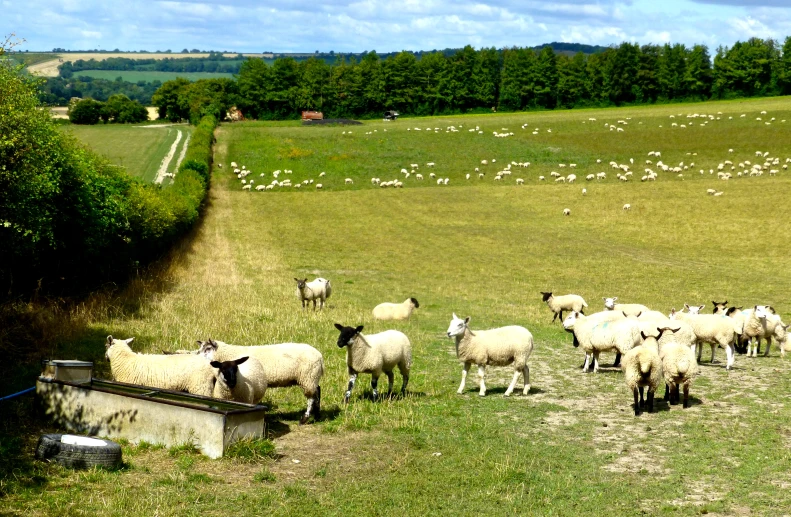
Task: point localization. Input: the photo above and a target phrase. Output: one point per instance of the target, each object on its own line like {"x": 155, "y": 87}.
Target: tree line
{"x": 479, "y": 80}
{"x": 215, "y": 63}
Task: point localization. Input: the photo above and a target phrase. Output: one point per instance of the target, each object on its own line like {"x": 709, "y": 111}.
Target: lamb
{"x": 374, "y": 354}
{"x": 318, "y": 289}
{"x": 568, "y": 302}
{"x": 497, "y": 347}
{"x": 715, "y": 329}
{"x": 621, "y": 336}
{"x": 630, "y": 309}
{"x": 171, "y": 372}
{"x": 758, "y": 324}
{"x": 396, "y": 311}
{"x": 679, "y": 368}
{"x": 642, "y": 368}
{"x": 781, "y": 334}
{"x": 285, "y": 364}
{"x": 242, "y": 380}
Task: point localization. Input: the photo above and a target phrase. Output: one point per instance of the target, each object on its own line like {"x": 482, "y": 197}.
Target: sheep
{"x": 318, "y": 289}
{"x": 496, "y": 347}
{"x": 319, "y": 186}
{"x": 567, "y": 302}
{"x": 627, "y": 206}
{"x": 679, "y": 368}
{"x": 595, "y": 337}
{"x": 715, "y": 329}
{"x": 247, "y": 187}
{"x": 584, "y": 191}
{"x": 243, "y": 384}
{"x": 348, "y": 181}
{"x": 171, "y": 372}
{"x": 599, "y": 317}
{"x": 520, "y": 181}
{"x": 284, "y": 364}
{"x": 758, "y": 324}
{"x": 374, "y": 354}
{"x": 781, "y": 334}
{"x": 630, "y": 309}
{"x": 396, "y": 311}
{"x": 566, "y": 211}
{"x": 642, "y": 368}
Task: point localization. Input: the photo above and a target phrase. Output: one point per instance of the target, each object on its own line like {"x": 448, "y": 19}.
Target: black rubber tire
{"x": 50, "y": 448}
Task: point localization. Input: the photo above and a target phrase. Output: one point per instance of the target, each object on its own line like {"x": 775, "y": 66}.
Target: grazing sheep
{"x": 715, "y": 329}
{"x": 242, "y": 380}
{"x": 396, "y": 311}
{"x": 285, "y": 364}
{"x": 642, "y": 368}
{"x": 348, "y": 181}
{"x": 595, "y": 337}
{"x": 318, "y": 289}
{"x": 627, "y": 206}
{"x": 567, "y": 302}
{"x": 679, "y": 368}
{"x": 630, "y": 309}
{"x": 374, "y": 354}
{"x": 170, "y": 372}
{"x": 566, "y": 211}
{"x": 496, "y": 347}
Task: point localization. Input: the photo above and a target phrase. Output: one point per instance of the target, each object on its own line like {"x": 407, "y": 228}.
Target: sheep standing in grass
{"x": 396, "y": 311}
{"x": 567, "y": 302}
{"x": 374, "y": 354}
{"x": 318, "y": 289}
{"x": 642, "y": 368}
{"x": 496, "y": 347}
{"x": 285, "y": 364}
{"x": 188, "y": 373}
{"x": 630, "y": 309}
{"x": 715, "y": 329}
{"x": 242, "y": 380}
{"x": 758, "y": 324}
{"x": 595, "y": 337}
{"x": 598, "y": 317}
{"x": 679, "y": 368}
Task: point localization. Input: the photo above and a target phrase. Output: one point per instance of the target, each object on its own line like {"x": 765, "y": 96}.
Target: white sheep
{"x": 348, "y": 181}
{"x": 679, "y": 368}
{"x": 285, "y": 364}
{"x": 715, "y": 329}
{"x": 758, "y": 324}
{"x": 627, "y": 206}
{"x": 642, "y": 368}
{"x": 319, "y": 186}
{"x": 630, "y": 309}
{"x": 396, "y": 311}
{"x": 566, "y": 302}
{"x": 171, "y": 372}
{"x": 242, "y": 380}
{"x": 496, "y": 347}
{"x": 566, "y": 211}
{"x": 595, "y": 337}
{"x": 374, "y": 354}
{"x": 318, "y": 289}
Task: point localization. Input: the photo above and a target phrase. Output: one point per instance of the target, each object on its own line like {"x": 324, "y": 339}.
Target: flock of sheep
{"x": 649, "y": 346}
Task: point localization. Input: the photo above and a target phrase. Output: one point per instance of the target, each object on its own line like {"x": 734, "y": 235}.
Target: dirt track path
{"x": 163, "y": 167}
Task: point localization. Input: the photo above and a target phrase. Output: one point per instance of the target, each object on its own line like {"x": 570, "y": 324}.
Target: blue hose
{"x": 13, "y": 395}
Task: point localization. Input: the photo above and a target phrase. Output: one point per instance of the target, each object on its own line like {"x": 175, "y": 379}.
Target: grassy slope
{"x": 139, "y": 149}
{"x": 149, "y": 76}
{"x": 570, "y": 447}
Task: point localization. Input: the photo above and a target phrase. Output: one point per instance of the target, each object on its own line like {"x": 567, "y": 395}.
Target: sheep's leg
{"x": 481, "y": 375}
{"x": 667, "y": 393}
{"x": 636, "y": 402}
{"x": 314, "y": 304}
{"x": 757, "y": 345}
{"x": 642, "y": 399}
{"x": 352, "y": 380}
{"x": 305, "y": 417}
{"x": 526, "y": 373}
{"x": 389, "y": 382}
{"x": 768, "y": 344}
{"x": 729, "y": 355}
{"x": 650, "y": 400}
{"x": 374, "y": 383}
{"x": 686, "y": 395}
{"x": 699, "y": 346}
{"x": 555, "y": 317}
{"x": 463, "y": 378}
{"x": 713, "y": 349}
{"x": 595, "y": 361}
{"x": 512, "y": 385}
{"x": 617, "y": 359}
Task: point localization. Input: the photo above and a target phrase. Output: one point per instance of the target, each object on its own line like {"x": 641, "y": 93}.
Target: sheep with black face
{"x": 242, "y": 380}
{"x": 374, "y": 354}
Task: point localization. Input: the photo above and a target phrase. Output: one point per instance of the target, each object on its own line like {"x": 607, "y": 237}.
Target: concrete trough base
{"x": 138, "y": 413}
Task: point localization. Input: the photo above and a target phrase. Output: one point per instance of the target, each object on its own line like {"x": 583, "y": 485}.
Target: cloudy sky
{"x": 383, "y": 25}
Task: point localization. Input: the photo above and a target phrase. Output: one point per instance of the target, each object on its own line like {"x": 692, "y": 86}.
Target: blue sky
{"x": 384, "y": 25}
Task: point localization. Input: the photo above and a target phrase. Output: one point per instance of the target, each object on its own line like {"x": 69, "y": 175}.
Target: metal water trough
{"x": 75, "y": 400}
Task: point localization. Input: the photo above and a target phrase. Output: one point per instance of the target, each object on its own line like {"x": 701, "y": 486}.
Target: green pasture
{"x": 140, "y": 149}
{"x": 134, "y": 76}
{"x": 478, "y": 248}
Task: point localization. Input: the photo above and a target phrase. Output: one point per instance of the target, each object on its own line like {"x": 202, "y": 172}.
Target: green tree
{"x": 571, "y": 80}
{"x": 166, "y": 99}
{"x": 784, "y": 69}
{"x": 121, "y": 109}
{"x": 546, "y": 78}
{"x": 86, "y": 111}
{"x": 622, "y": 72}
{"x": 254, "y": 83}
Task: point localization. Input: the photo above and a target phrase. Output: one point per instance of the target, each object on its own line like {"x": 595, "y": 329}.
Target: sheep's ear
{"x": 455, "y": 317}
{"x": 128, "y": 341}
{"x": 359, "y": 329}
{"x": 109, "y": 340}
{"x": 638, "y": 314}
{"x": 614, "y": 299}
{"x": 216, "y": 364}
{"x": 740, "y": 307}
{"x": 467, "y": 320}
{"x": 241, "y": 360}
{"x": 603, "y": 298}
{"x": 339, "y": 326}
{"x": 701, "y": 307}
{"x": 772, "y": 309}
{"x": 305, "y": 280}
{"x": 297, "y": 279}
{"x": 725, "y": 302}
{"x": 624, "y": 314}
{"x": 686, "y": 306}
{"x": 642, "y": 334}
{"x": 786, "y": 326}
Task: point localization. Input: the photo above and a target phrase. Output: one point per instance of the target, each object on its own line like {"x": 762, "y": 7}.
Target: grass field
{"x": 134, "y": 76}
{"x": 483, "y": 249}
{"x": 139, "y": 149}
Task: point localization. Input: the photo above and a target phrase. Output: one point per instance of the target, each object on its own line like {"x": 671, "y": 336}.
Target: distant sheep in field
{"x": 348, "y": 181}
{"x": 567, "y": 302}
{"x": 318, "y": 289}
{"x": 319, "y": 186}
{"x": 566, "y": 211}
{"x": 396, "y": 311}
{"x": 627, "y": 206}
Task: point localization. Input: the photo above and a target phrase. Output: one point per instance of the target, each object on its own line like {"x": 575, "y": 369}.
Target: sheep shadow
{"x": 500, "y": 390}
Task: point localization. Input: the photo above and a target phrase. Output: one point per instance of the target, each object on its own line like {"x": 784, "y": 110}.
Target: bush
{"x": 86, "y": 111}
{"x": 120, "y": 108}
